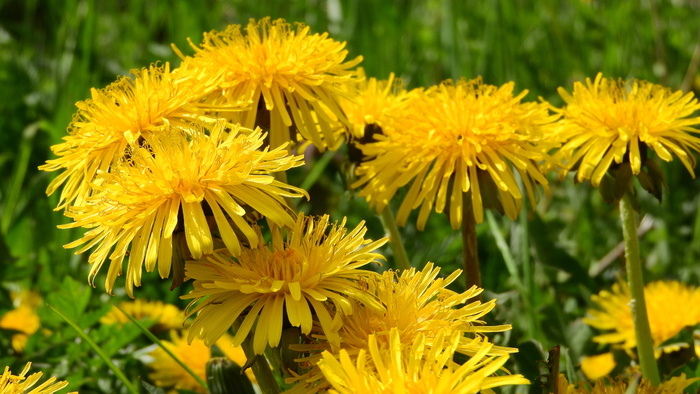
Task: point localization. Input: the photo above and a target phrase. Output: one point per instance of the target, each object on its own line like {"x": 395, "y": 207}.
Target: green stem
{"x": 258, "y": 363}
{"x": 400, "y": 256}
{"x": 470, "y": 253}
{"x": 645, "y": 346}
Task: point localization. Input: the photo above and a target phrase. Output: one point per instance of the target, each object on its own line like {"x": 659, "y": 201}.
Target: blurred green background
{"x": 543, "y": 268}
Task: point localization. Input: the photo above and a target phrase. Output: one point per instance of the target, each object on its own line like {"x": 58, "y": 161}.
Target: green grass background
{"x": 53, "y": 51}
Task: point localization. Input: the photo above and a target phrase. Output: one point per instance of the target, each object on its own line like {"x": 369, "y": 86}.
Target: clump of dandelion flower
{"x": 211, "y": 180}
{"x": 414, "y": 367}
{"x": 21, "y": 383}
{"x": 624, "y": 385}
{"x": 614, "y": 314}
{"x": 456, "y": 138}
{"x": 292, "y": 78}
{"x": 165, "y": 316}
{"x": 608, "y": 122}
{"x": 294, "y": 279}
{"x": 23, "y": 318}
{"x": 132, "y": 108}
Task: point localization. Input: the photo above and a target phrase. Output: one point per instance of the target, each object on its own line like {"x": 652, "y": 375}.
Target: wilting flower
{"x": 622, "y": 385}
{"x": 210, "y": 180}
{"x": 663, "y": 299}
{"x": 414, "y": 368}
{"x": 457, "y": 138}
{"x": 609, "y": 120}
{"x": 167, "y": 373}
{"x": 22, "y": 319}
{"x": 300, "y": 77}
{"x": 418, "y": 304}
{"x": 165, "y": 316}
{"x": 295, "y": 279}
{"x": 124, "y": 112}
{"x": 19, "y": 384}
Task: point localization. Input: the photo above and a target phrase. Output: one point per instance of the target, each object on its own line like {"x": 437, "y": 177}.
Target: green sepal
{"x": 225, "y": 377}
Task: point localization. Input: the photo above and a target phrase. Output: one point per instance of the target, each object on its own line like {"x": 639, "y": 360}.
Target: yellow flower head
{"x": 457, "y": 138}
{"x": 418, "y": 304}
{"x": 125, "y": 111}
{"x": 20, "y": 384}
{"x": 609, "y": 120}
{"x": 622, "y": 385}
{"x": 209, "y": 179}
{"x": 663, "y": 298}
{"x": 165, "y": 316}
{"x": 594, "y": 367}
{"x": 414, "y": 368}
{"x": 373, "y": 100}
{"x": 299, "y": 75}
{"x": 22, "y": 319}
{"x": 295, "y": 278}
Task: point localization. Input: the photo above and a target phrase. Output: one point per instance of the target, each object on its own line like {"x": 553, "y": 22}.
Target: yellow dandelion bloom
{"x": 594, "y": 367}
{"x": 118, "y": 115}
{"x": 663, "y": 297}
{"x": 457, "y": 138}
{"x": 417, "y": 304}
{"x": 22, "y": 319}
{"x": 607, "y": 120}
{"x": 165, "y": 316}
{"x": 299, "y": 76}
{"x": 209, "y": 179}
{"x": 624, "y": 385}
{"x": 414, "y": 368}
{"x": 294, "y": 278}
{"x": 21, "y": 384}
{"x": 167, "y": 373}
{"x": 372, "y": 100}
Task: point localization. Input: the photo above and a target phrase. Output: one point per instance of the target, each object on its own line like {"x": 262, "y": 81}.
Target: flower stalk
{"x": 645, "y": 347}
{"x": 400, "y": 257}
{"x": 470, "y": 253}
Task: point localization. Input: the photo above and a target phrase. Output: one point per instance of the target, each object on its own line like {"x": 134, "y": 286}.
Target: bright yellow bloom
{"x": 609, "y": 120}
{"x": 165, "y": 316}
{"x": 300, "y": 77}
{"x": 457, "y": 138}
{"x": 417, "y": 303}
{"x": 167, "y": 373}
{"x": 594, "y": 367}
{"x": 414, "y": 368}
{"x": 210, "y": 180}
{"x": 373, "y": 100}
{"x": 21, "y": 384}
{"x": 22, "y": 319}
{"x": 671, "y": 306}
{"x": 620, "y": 385}
{"x": 298, "y": 279}
{"x": 124, "y": 112}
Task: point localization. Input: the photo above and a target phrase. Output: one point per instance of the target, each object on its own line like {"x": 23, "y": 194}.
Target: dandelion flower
{"x": 22, "y": 319}
{"x": 414, "y": 368}
{"x": 20, "y": 384}
{"x": 208, "y": 179}
{"x": 624, "y": 385}
{"x": 457, "y": 138}
{"x": 299, "y": 76}
{"x": 118, "y": 115}
{"x": 165, "y": 316}
{"x": 663, "y": 298}
{"x": 293, "y": 278}
{"x": 609, "y": 120}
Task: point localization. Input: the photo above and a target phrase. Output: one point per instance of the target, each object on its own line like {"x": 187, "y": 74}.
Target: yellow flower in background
{"x": 594, "y": 367}
{"x": 610, "y": 121}
{"x": 414, "y": 368}
{"x": 167, "y": 373}
{"x": 210, "y": 180}
{"x": 671, "y": 306}
{"x": 418, "y": 304}
{"x": 23, "y": 318}
{"x": 625, "y": 385}
{"x": 296, "y": 279}
{"x": 457, "y": 138}
{"x": 373, "y": 100}
{"x": 299, "y": 76}
{"x": 165, "y": 316}
{"x": 123, "y": 113}
{"x": 20, "y": 384}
